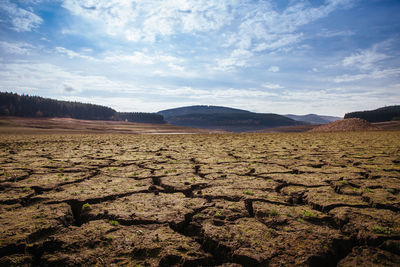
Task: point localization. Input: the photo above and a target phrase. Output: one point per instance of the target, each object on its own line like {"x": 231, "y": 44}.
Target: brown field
{"x": 277, "y": 199}
{"x": 12, "y": 125}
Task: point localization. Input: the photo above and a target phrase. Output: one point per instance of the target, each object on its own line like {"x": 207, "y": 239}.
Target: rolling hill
{"x": 390, "y": 113}
{"x": 313, "y": 118}
{"x": 223, "y": 118}
{"x": 12, "y": 104}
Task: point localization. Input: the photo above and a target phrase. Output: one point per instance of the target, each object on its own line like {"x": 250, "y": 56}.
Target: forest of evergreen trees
{"x": 141, "y": 117}
{"x": 12, "y": 104}
{"x": 378, "y": 115}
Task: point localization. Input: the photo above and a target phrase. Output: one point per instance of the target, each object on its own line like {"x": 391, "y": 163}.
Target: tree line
{"x": 12, "y": 104}
{"x": 141, "y": 117}
{"x": 389, "y": 113}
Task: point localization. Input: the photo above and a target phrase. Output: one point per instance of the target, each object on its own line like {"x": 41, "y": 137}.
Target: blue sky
{"x": 313, "y": 56}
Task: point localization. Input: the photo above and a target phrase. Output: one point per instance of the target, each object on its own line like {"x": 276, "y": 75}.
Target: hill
{"x": 223, "y": 118}
{"x": 12, "y": 104}
{"x": 313, "y": 118}
{"x": 200, "y": 109}
{"x": 390, "y": 113}
{"x": 346, "y": 125}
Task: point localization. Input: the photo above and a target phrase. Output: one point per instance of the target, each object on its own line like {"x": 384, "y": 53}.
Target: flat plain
{"x": 277, "y": 199}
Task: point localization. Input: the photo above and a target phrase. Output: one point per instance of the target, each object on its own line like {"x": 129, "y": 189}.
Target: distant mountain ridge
{"x": 390, "y": 113}
{"x": 224, "y": 118}
{"x": 313, "y": 118}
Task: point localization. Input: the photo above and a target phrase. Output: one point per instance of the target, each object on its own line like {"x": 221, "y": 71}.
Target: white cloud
{"x": 215, "y": 94}
{"x": 376, "y": 74}
{"x": 147, "y": 20}
{"x": 364, "y": 60}
{"x": 17, "y": 48}
{"x": 273, "y": 69}
{"x": 238, "y": 58}
{"x": 278, "y": 41}
{"x": 329, "y": 34}
{"x": 21, "y": 19}
{"x": 254, "y": 24}
{"x": 266, "y": 29}
{"x": 272, "y": 86}
{"x": 142, "y": 58}
{"x": 72, "y": 54}
{"x": 136, "y": 57}
{"x": 50, "y": 77}
{"x": 349, "y": 78}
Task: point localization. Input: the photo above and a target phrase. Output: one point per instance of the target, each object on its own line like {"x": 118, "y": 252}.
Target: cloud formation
{"x": 267, "y": 56}
{"x": 147, "y": 20}
{"x": 16, "y": 48}
{"x": 20, "y": 19}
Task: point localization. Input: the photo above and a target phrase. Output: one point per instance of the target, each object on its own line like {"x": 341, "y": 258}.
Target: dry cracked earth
{"x": 200, "y": 200}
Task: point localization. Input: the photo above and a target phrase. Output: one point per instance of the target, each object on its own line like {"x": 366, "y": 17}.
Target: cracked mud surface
{"x": 200, "y": 200}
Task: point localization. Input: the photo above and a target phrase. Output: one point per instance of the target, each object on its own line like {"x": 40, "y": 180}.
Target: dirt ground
{"x": 287, "y": 199}
{"x": 11, "y": 125}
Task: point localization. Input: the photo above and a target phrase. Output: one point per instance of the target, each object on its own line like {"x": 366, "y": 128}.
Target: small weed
{"x": 115, "y": 190}
{"x": 110, "y": 238}
{"x": 300, "y": 220}
{"x": 391, "y": 190}
{"x": 217, "y": 213}
{"x": 343, "y": 182}
{"x": 60, "y": 175}
{"x": 308, "y": 214}
{"x": 74, "y": 193}
{"x": 248, "y": 192}
{"x": 85, "y": 206}
{"x": 198, "y": 215}
{"x": 114, "y": 223}
{"x": 193, "y": 180}
{"x": 272, "y": 232}
{"x": 273, "y": 212}
{"x": 381, "y": 230}
{"x": 368, "y": 190}
{"x": 26, "y": 189}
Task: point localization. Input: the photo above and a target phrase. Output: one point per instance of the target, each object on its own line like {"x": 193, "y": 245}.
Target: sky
{"x": 327, "y": 57}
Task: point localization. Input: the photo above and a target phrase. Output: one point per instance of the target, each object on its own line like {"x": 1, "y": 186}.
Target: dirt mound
{"x": 346, "y": 125}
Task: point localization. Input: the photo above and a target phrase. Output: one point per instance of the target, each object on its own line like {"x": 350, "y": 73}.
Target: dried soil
{"x": 200, "y": 200}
